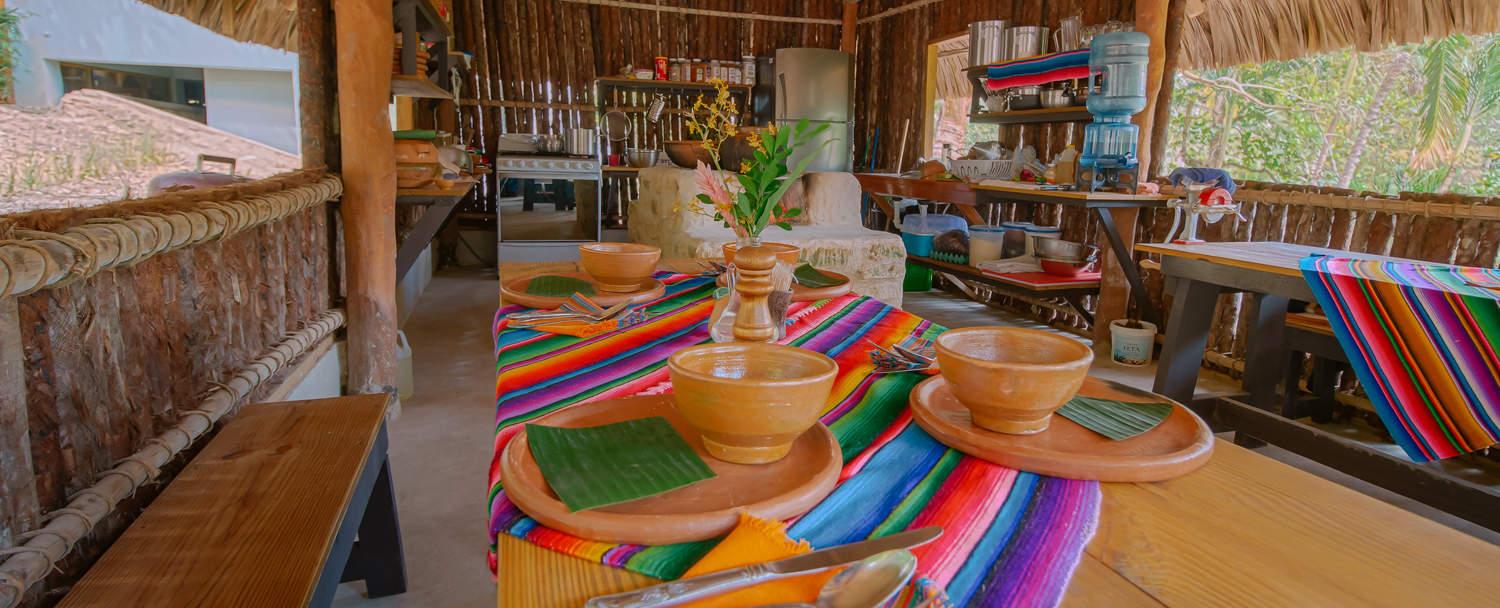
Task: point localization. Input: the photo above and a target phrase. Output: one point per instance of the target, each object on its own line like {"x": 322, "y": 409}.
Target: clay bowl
{"x": 750, "y": 400}
{"x": 687, "y": 153}
{"x": 1012, "y": 379}
{"x": 785, "y": 253}
{"x": 619, "y": 267}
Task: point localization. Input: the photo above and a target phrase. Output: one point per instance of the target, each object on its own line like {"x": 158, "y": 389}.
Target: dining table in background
{"x": 1244, "y": 530}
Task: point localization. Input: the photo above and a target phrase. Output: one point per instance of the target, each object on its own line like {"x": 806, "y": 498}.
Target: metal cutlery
{"x": 699, "y": 587}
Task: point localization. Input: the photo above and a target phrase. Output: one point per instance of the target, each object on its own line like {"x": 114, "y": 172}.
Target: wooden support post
{"x": 315, "y": 69}
{"x": 1151, "y": 19}
{"x": 18, "y": 503}
{"x": 368, "y": 207}
{"x": 851, "y": 25}
{"x": 1162, "y": 111}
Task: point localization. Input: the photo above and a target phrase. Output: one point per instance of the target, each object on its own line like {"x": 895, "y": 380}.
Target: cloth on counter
{"x": 1013, "y": 265}
{"x": 755, "y": 540}
{"x": 1422, "y": 340}
{"x": 1010, "y": 538}
{"x": 1047, "y": 279}
{"x": 1039, "y": 70}
{"x": 1203, "y": 175}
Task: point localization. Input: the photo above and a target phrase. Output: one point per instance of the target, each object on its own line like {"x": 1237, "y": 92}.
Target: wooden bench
{"x": 1070, "y": 293}
{"x": 265, "y": 515}
{"x": 1310, "y": 334}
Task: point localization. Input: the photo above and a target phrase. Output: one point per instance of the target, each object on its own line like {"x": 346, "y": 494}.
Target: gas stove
{"x": 539, "y": 166}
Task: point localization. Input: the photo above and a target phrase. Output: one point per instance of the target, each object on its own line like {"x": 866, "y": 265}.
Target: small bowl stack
{"x": 1064, "y": 258}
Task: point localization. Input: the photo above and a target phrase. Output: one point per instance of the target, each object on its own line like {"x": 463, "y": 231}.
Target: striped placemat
{"x": 1010, "y": 538}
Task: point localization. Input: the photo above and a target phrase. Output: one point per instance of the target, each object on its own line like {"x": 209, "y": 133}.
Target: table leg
{"x": 1192, "y": 315}
{"x": 1127, "y": 263}
{"x": 382, "y": 560}
{"x": 1266, "y": 354}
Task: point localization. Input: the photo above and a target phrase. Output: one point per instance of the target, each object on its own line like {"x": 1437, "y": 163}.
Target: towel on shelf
{"x": 1039, "y": 70}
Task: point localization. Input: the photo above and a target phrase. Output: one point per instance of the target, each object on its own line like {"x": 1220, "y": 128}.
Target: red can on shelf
{"x": 661, "y": 68}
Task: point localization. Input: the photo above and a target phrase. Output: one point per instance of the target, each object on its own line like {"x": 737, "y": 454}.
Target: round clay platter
{"x": 708, "y": 509}
{"x": 810, "y": 294}
{"x": 514, "y": 292}
{"x": 1179, "y": 445}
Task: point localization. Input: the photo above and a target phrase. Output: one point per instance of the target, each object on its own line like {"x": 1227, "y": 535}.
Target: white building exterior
{"x": 246, "y": 89}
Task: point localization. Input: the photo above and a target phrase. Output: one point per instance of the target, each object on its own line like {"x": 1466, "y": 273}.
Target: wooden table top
{"x": 965, "y": 193}
{"x": 251, "y": 519}
{"x": 1265, "y": 256}
{"x": 1245, "y": 530}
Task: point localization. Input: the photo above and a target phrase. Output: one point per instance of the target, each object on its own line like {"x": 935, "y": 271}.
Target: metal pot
{"x": 550, "y": 143}
{"x": 1025, "y": 41}
{"x": 580, "y": 142}
{"x": 1055, "y": 98}
{"x": 197, "y": 178}
{"x": 1025, "y": 98}
{"x": 987, "y": 42}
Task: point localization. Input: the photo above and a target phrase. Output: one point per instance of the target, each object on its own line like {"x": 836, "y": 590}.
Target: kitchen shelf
{"x": 1039, "y": 115}
{"x": 632, "y": 83}
{"x": 403, "y": 85}
{"x": 429, "y": 23}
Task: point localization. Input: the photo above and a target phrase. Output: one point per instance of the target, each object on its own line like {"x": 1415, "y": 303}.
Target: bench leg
{"x": 1324, "y": 385}
{"x": 1291, "y": 403}
{"x": 378, "y": 558}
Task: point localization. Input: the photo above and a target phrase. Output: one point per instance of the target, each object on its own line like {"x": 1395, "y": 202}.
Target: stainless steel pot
{"x": 987, "y": 42}
{"x": 551, "y": 143}
{"x": 580, "y": 142}
{"x": 1055, "y": 98}
{"x": 1025, "y": 41}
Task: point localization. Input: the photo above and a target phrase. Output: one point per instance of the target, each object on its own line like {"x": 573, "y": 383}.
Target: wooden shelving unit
{"x": 632, "y": 83}
{"x": 1039, "y": 115}
{"x": 418, "y": 21}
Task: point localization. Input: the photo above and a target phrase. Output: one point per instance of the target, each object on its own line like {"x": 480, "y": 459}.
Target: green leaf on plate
{"x": 1117, "y": 420}
{"x": 558, "y": 286}
{"x": 604, "y": 465}
{"x": 807, "y": 276}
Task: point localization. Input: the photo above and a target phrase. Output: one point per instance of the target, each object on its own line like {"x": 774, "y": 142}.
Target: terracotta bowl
{"x": 750, "y": 400}
{"x": 1012, "y": 379}
{"x": 785, "y": 253}
{"x": 687, "y": 153}
{"x": 619, "y": 267}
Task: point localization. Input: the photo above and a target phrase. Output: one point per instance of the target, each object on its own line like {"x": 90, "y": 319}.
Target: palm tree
{"x": 1462, "y": 89}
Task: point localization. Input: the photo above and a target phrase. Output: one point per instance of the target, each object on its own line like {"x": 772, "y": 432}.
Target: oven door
{"x": 543, "y": 218}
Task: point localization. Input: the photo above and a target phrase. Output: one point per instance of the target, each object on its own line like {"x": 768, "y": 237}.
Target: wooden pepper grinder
{"x": 753, "y": 323}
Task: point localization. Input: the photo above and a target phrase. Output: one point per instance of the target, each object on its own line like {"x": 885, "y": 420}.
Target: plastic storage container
{"x": 917, "y": 230}
{"x": 918, "y": 278}
{"x": 986, "y": 243}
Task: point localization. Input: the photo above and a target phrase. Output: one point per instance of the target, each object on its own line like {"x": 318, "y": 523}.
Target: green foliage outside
{"x": 10, "y": 33}
{"x": 1419, "y": 118}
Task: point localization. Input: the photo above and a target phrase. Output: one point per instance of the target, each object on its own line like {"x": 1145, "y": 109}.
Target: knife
{"x": 699, "y": 587}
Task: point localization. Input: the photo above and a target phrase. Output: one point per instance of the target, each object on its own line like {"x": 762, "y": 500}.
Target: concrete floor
{"x": 441, "y": 444}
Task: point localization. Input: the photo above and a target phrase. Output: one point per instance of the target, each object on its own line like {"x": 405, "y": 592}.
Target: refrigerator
{"x": 817, "y": 85}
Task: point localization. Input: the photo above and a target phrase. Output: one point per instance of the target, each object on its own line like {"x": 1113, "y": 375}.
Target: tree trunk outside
{"x": 1367, "y": 124}
{"x": 1457, "y": 157}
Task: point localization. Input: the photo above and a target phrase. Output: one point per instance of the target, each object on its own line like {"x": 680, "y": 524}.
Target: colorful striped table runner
{"x": 1421, "y": 338}
{"x": 1010, "y": 538}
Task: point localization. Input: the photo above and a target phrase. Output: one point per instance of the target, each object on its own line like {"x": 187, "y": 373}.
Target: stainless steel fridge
{"x": 817, "y": 85}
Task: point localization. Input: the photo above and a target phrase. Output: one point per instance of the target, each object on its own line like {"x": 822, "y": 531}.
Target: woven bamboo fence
{"x": 126, "y": 331}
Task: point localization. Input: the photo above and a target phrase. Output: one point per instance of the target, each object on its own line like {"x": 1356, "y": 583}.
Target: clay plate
{"x": 514, "y": 292}
{"x": 708, "y": 509}
{"x": 1177, "y": 446}
{"x": 801, "y": 293}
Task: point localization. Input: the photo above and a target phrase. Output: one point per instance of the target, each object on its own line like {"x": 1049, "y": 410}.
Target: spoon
{"x": 871, "y": 581}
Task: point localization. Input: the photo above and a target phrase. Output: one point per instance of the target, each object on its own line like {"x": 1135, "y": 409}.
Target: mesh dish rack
{"x": 976, "y": 170}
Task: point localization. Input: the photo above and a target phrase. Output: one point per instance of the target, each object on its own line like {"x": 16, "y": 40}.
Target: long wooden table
{"x": 1244, "y": 530}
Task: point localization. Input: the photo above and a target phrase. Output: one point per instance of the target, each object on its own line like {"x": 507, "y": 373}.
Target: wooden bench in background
{"x": 265, "y": 515}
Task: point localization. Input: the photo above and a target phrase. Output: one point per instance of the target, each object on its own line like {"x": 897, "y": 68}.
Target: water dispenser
{"x": 1108, "y": 161}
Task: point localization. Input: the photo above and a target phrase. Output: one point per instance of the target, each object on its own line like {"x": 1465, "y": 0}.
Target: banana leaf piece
{"x": 807, "y": 276}
{"x": 558, "y": 286}
{"x": 1117, "y": 420}
{"x": 604, "y": 465}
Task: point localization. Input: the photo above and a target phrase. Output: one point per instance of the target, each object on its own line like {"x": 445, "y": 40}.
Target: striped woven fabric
{"x": 1010, "y": 538}
{"x": 1421, "y": 338}
{"x": 1038, "y": 70}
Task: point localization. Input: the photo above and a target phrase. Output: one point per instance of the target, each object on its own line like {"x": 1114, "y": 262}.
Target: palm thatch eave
{"x": 270, "y": 23}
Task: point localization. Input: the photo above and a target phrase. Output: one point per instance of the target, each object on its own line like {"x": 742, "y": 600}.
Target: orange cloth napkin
{"x": 756, "y": 540}
{"x": 579, "y": 329}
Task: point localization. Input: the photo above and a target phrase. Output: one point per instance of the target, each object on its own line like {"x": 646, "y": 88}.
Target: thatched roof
{"x": 1219, "y": 33}
{"x": 272, "y": 23}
